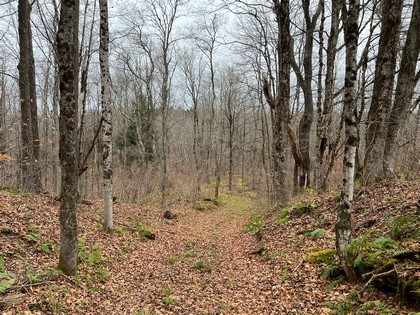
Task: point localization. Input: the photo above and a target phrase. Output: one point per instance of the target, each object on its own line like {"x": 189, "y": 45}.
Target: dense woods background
{"x": 176, "y": 98}
{"x": 188, "y": 101}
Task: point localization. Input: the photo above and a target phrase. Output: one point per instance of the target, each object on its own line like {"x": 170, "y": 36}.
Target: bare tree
{"x": 326, "y": 147}
{"x": 343, "y": 225}
{"x": 106, "y": 113}
{"x": 407, "y": 79}
{"x": 45, "y": 24}
{"x": 142, "y": 114}
{"x": 305, "y": 82}
{"x": 207, "y": 43}
{"x": 193, "y": 72}
{"x": 279, "y": 104}
{"x": 259, "y": 49}
{"x": 31, "y": 179}
{"x": 85, "y": 53}
{"x": 382, "y": 89}
{"x": 163, "y": 15}
{"x": 230, "y": 101}
{"x": 68, "y": 65}
{"x": 3, "y": 149}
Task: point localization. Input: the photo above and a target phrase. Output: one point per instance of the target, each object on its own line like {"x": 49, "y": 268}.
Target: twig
{"x": 30, "y": 285}
{"x": 123, "y": 224}
{"x": 296, "y": 268}
{"x": 72, "y": 281}
{"x": 379, "y": 275}
{"x": 83, "y": 167}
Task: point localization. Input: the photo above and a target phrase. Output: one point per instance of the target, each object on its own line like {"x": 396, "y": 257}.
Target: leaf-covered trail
{"x": 200, "y": 263}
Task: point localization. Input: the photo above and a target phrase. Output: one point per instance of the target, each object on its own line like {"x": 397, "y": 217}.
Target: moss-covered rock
{"x": 409, "y": 290}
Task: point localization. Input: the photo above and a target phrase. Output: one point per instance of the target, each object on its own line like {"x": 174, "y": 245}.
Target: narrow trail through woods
{"x": 200, "y": 263}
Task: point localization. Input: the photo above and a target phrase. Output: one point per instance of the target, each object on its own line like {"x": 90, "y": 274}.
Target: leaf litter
{"x": 200, "y": 263}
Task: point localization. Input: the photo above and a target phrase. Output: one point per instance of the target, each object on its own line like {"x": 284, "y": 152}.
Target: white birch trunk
{"x": 343, "y": 225}
{"x": 106, "y": 114}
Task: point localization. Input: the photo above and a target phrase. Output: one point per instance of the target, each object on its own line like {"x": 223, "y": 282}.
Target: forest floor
{"x": 229, "y": 256}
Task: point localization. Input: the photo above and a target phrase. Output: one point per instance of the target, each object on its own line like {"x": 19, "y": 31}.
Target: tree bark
{"x": 3, "y": 149}
{"x": 279, "y": 104}
{"x": 343, "y": 225}
{"x": 306, "y": 85}
{"x": 106, "y": 114}
{"x": 404, "y": 91}
{"x": 31, "y": 180}
{"x": 325, "y": 143}
{"x": 382, "y": 90}
{"x": 231, "y": 119}
{"x": 68, "y": 63}
{"x": 319, "y": 92}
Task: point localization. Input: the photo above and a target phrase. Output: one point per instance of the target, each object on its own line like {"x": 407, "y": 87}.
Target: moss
{"x": 283, "y": 217}
{"x": 378, "y": 259}
{"x": 6, "y": 231}
{"x": 306, "y": 208}
{"x": 147, "y": 233}
{"x": 321, "y": 257}
{"x": 317, "y": 233}
{"x": 218, "y": 202}
{"x": 409, "y": 291}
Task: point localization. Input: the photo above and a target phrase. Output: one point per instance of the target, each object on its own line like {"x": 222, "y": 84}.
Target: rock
{"x": 169, "y": 215}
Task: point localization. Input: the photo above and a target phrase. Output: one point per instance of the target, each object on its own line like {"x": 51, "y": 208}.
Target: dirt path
{"x": 201, "y": 263}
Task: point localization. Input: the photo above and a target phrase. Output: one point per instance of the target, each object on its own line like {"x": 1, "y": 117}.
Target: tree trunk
{"x": 231, "y": 122}
{"x": 2, "y": 112}
{"x": 193, "y": 83}
{"x": 34, "y": 115}
{"x": 195, "y": 148}
{"x": 31, "y": 180}
{"x": 106, "y": 114}
{"x": 306, "y": 84}
{"x": 280, "y": 104}
{"x": 164, "y": 15}
{"x": 319, "y": 92}
{"x": 67, "y": 56}
{"x": 382, "y": 90}
{"x": 164, "y": 108}
{"x": 404, "y": 91}
{"x": 219, "y": 154}
{"x": 325, "y": 143}
{"x": 343, "y": 225}
{"x": 85, "y": 56}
